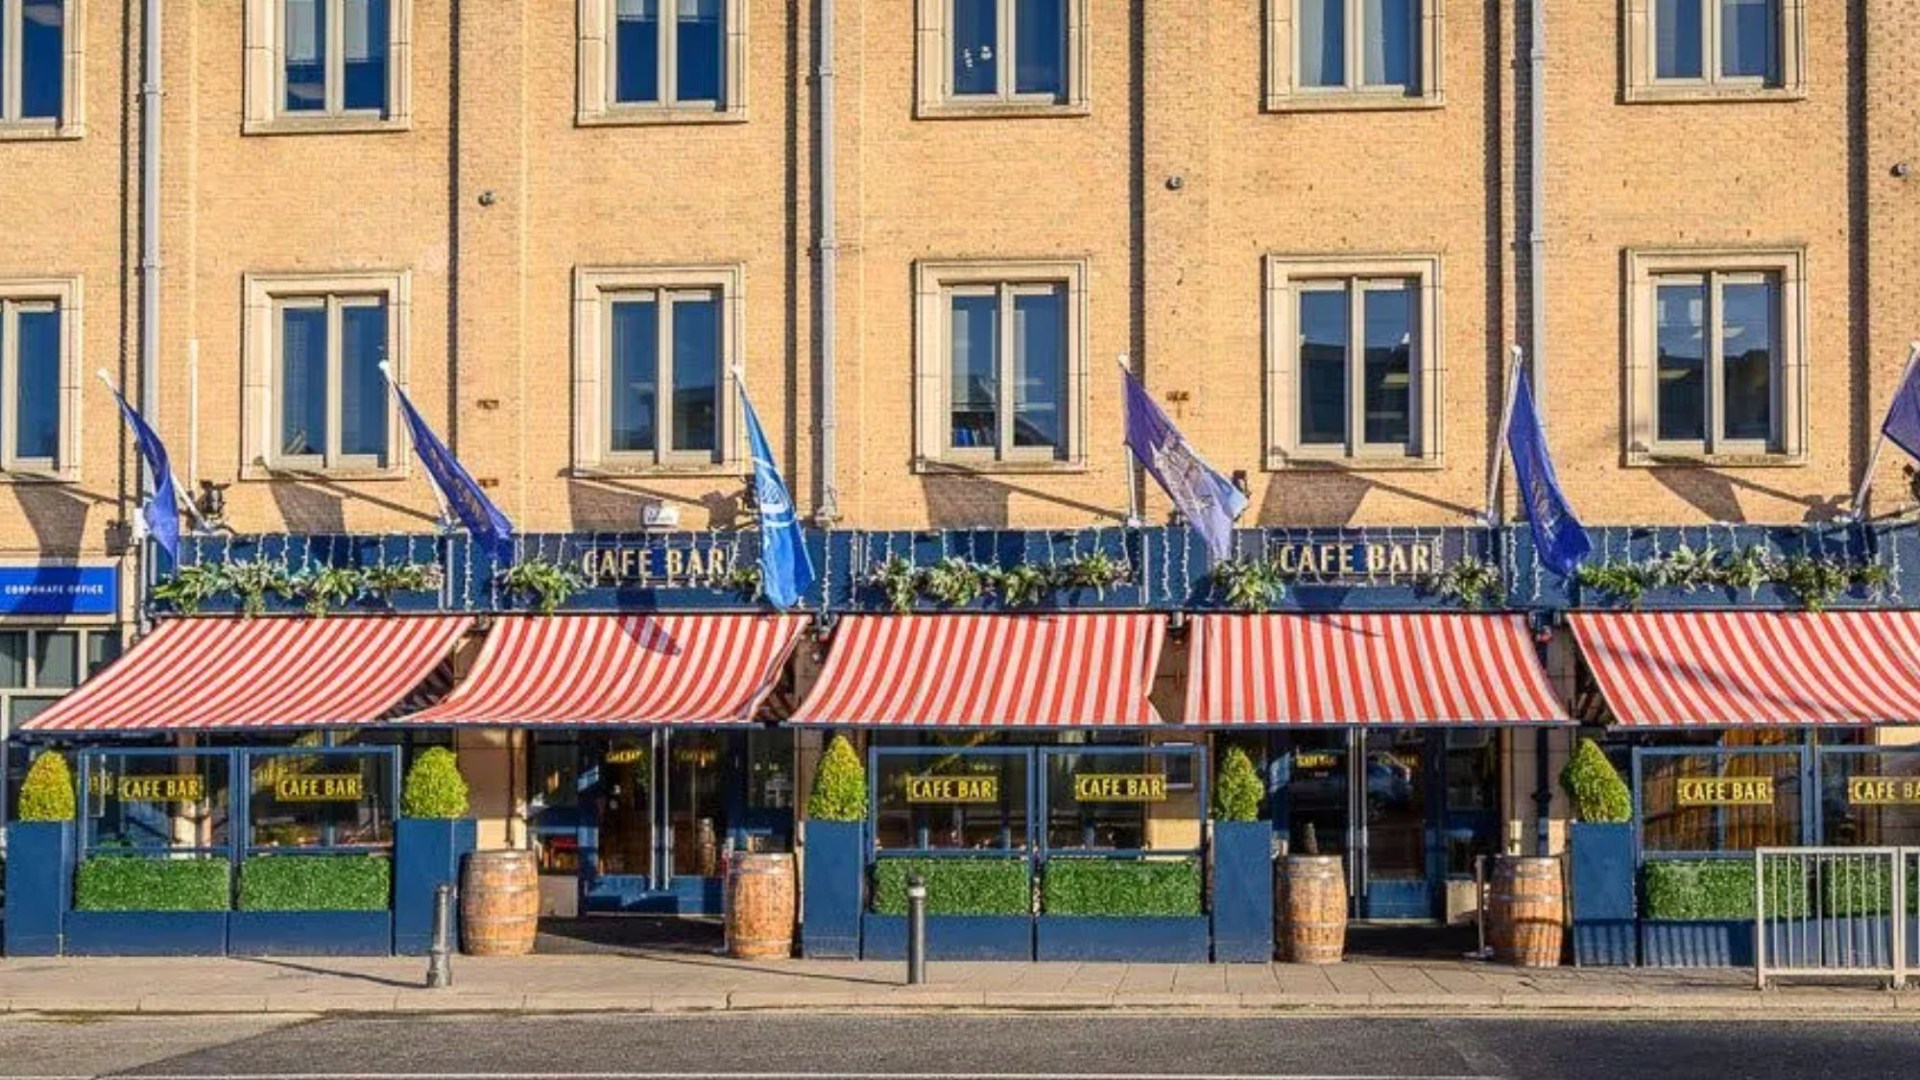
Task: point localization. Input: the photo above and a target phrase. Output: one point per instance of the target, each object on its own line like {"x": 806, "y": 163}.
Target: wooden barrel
{"x": 1311, "y": 911}
{"x": 1527, "y": 912}
{"x": 499, "y": 903}
{"x": 760, "y": 905}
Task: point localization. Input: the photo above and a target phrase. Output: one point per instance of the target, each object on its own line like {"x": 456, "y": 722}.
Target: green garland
{"x": 958, "y": 582}
{"x": 549, "y": 583}
{"x": 1816, "y": 581}
{"x": 1258, "y": 584}
{"x": 319, "y": 588}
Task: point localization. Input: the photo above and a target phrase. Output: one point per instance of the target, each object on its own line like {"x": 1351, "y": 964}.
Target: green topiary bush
{"x": 47, "y": 792}
{"x": 1237, "y": 790}
{"x": 955, "y": 886}
{"x": 316, "y": 883}
{"x": 1594, "y": 785}
{"x": 134, "y": 883}
{"x": 839, "y": 785}
{"x": 434, "y": 787}
{"x": 1115, "y": 887}
{"x": 1716, "y": 889}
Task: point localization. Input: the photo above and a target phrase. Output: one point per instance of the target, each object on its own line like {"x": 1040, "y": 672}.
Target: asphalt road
{"x": 947, "y": 1047}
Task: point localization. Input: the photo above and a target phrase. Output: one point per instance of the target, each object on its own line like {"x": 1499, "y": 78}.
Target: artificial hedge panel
{"x": 1141, "y": 887}
{"x": 316, "y": 883}
{"x": 1716, "y": 889}
{"x": 134, "y": 883}
{"x": 1863, "y": 887}
{"x": 958, "y": 886}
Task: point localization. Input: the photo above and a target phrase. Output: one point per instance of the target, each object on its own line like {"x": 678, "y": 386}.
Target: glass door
{"x": 1319, "y": 797}
{"x": 694, "y": 804}
{"x": 1393, "y": 831}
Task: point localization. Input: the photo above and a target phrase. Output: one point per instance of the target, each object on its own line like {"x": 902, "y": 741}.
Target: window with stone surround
{"x": 327, "y": 65}
{"x": 1354, "y": 54}
{"x": 40, "y": 379}
{"x": 662, "y": 61}
{"x": 1000, "y": 364}
{"x": 316, "y": 401}
{"x": 1716, "y": 364}
{"x": 42, "y": 73}
{"x": 979, "y": 58}
{"x": 653, "y": 383}
{"x": 1353, "y": 361}
{"x": 1708, "y": 50}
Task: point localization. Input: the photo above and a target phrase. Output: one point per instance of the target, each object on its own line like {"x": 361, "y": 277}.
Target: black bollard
{"x": 440, "y": 953}
{"x": 916, "y": 930}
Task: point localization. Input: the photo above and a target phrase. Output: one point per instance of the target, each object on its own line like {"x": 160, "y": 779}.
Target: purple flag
{"x": 1902, "y": 426}
{"x": 1209, "y": 500}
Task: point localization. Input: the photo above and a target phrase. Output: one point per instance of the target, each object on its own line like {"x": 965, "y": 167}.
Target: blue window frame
{"x": 669, "y": 52}
{"x": 335, "y": 57}
{"x": 31, "y": 334}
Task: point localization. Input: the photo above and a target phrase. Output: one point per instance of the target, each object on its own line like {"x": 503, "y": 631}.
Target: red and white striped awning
{"x": 1744, "y": 668}
{"x": 621, "y": 670}
{"x": 248, "y": 674}
{"x": 998, "y": 671}
{"x": 1353, "y": 670}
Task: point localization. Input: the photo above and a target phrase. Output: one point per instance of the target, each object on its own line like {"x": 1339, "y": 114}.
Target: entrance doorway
{"x": 1407, "y": 808}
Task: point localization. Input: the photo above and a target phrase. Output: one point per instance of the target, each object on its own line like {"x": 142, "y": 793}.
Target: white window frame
{"x": 268, "y": 297}
{"x": 71, "y": 123}
{"x": 595, "y": 290}
{"x": 265, "y": 89}
{"x": 935, "y": 98}
{"x": 936, "y": 283}
{"x": 1646, "y": 271}
{"x": 61, "y": 295}
{"x": 1644, "y": 84}
{"x": 1288, "y": 277}
{"x": 598, "y": 57}
{"x": 665, "y": 301}
{"x": 1285, "y": 93}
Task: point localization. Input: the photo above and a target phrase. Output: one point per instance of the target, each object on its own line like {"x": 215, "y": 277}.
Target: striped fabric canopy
{"x": 616, "y": 670}
{"x": 1744, "y": 668}
{"x": 1002, "y": 671}
{"x": 1353, "y": 670}
{"x": 231, "y": 674}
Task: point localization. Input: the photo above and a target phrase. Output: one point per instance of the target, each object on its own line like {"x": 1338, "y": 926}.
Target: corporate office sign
{"x": 41, "y": 589}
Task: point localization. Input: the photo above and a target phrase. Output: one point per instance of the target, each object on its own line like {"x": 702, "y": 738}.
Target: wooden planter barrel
{"x": 760, "y": 906}
{"x": 499, "y": 903}
{"x": 1527, "y": 912}
{"x": 1310, "y": 910}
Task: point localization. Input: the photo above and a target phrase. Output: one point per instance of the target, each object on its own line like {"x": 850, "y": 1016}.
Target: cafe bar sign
{"x": 953, "y": 789}
{"x": 656, "y": 565}
{"x": 168, "y": 788}
{"x": 1358, "y": 560}
{"x": 1725, "y": 791}
{"x": 319, "y": 787}
{"x": 1119, "y": 787}
{"x": 1883, "y": 791}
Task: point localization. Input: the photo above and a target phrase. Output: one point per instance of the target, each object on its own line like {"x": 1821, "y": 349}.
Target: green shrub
{"x": 1594, "y": 785}
{"x": 839, "y": 785}
{"x": 1120, "y": 887}
{"x": 1237, "y": 790}
{"x": 957, "y": 886}
{"x": 134, "y": 883}
{"x": 316, "y": 883}
{"x": 1716, "y": 889}
{"x": 434, "y": 787}
{"x": 47, "y": 792}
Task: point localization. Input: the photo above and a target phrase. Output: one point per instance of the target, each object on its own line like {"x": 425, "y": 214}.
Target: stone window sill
{"x": 655, "y": 117}
{"x": 58, "y": 476}
{"x": 259, "y": 472}
{"x": 1680, "y": 459}
{"x": 1709, "y": 95}
{"x": 940, "y": 467}
{"x": 326, "y": 125}
{"x": 1000, "y": 110}
{"x": 615, "y": 471}
{"x": 1278, "y": 461}
{"x": 38, "y": 131}
{"x": 1355, "y": 101}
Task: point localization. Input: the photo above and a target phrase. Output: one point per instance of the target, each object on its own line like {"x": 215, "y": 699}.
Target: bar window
{"x": 663, "y": 375}
{"x": 335, "y": 57}
{"x": 669, "y": 52}
{"x": 1357, "y": 364}
{"x": 1007, "y": 50}
{"x": 330, "y": 396}
{"x": 1717, "y": 41}
{"x": 31, "y": 342}
{"x": 1717, "y": 357}
{"x": 33, "y": 62}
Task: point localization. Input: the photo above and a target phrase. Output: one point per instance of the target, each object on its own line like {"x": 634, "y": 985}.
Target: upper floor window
{"x": 1001, "y": 364}
{"x": 1002, "y": 57}
{"x": 39, "y": 68}
{"x": 327, "y": 65}
{"x": 1325, "y": 54}
{"x": 1351, "y": 367}
{"x": 1680, "y": 49}
{"x": 644, "y": 61}
{"x": 1715, "y": 356}
{"x": 39, "y": 395}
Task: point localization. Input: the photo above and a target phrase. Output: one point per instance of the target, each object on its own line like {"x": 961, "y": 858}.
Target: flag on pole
{"x": 786, "y": 570}
{"x": 1902, "y": 426}
{"x": 457, "y": 487}
{"x": 1209, "y": 501}
{"x": 1559, "y": 539}
{"x": 162, "y": 511}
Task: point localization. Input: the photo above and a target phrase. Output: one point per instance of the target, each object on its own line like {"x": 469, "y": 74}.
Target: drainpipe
{"x": 827, "y": 509}
{"x": 149, "y": 255}
{"x": 1537, "y": 332}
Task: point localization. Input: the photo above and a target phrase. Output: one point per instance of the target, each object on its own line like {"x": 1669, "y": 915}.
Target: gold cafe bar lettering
{"x": 953, "y": 789}
{"x": 1389, "y": 559}
{"x": 655, "y": 565}
{"x": 1724, "y": 791}
{"x": 174, "y": 787}
{"x": 319, "y": 787}
{"x": 1119, "y": 787}
{"x": 1883, "y": 790}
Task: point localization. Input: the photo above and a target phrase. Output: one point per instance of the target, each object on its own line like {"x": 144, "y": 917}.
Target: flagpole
{"x": 1133, "y": 466}
{"x": 1880, "y": 441}
{"x": 179, "y": 490}
{"x": 439, "y": 497}
{"x": 1500, "y": 442}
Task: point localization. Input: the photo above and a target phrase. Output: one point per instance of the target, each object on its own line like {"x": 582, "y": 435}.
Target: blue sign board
{"x": 59, "y": 590}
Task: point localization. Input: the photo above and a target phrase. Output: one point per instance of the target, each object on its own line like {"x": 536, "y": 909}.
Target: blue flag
{"x": 484, "y": 520}
{"x": 1902, "y": 426}
{"x": 1558, "y": 537}
{"x": 786, "y": 570}
{"x": 1209, "y": 500}
{"x": 162, "y": 512}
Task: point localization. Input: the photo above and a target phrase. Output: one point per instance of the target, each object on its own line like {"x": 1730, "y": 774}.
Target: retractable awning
{"x": 250, "y": 674}
{"x": 1449, "y": 670}
{"x": 621, "y": 670}
{"x": 989, "y": 671}
{"x": 1748, "y": 668}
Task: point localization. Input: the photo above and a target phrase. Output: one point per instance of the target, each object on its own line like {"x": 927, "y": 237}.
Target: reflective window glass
{"x": 1679, "y": 39}
{"x": 636, "y": 50}
{"x": 303, "y": 380}
{"x": 1324, "y": 333}
{"x": 698, "y": 39}
{"x": 56, "y": 659}
{"x": 696, "y": 373}
{"x": 1680, "y": 370}
{"x": 1040, "y": 46}
{"x": 973, "y": 369}
{"x": 42, "y": 59}
{"x": 1390, "y": 32}
{"x": 1039, "y": 367}
{"x": 635, "y": 375}
{"x": 976, "y": 39}
{"x": 1388, "y": 385}
{"x": 1322, "y": 32}
{"x": 305, "y": 55}
{"x": 1748, "y": 43}
{"x": 36, "y": 419}
{"x": 1747, "y": 335}
{"x": 366, "y": 27}
{"x": 363, "y": 389}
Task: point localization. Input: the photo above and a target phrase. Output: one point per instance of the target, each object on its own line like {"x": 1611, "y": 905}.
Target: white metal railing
{"x": 1834, "y": 911}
